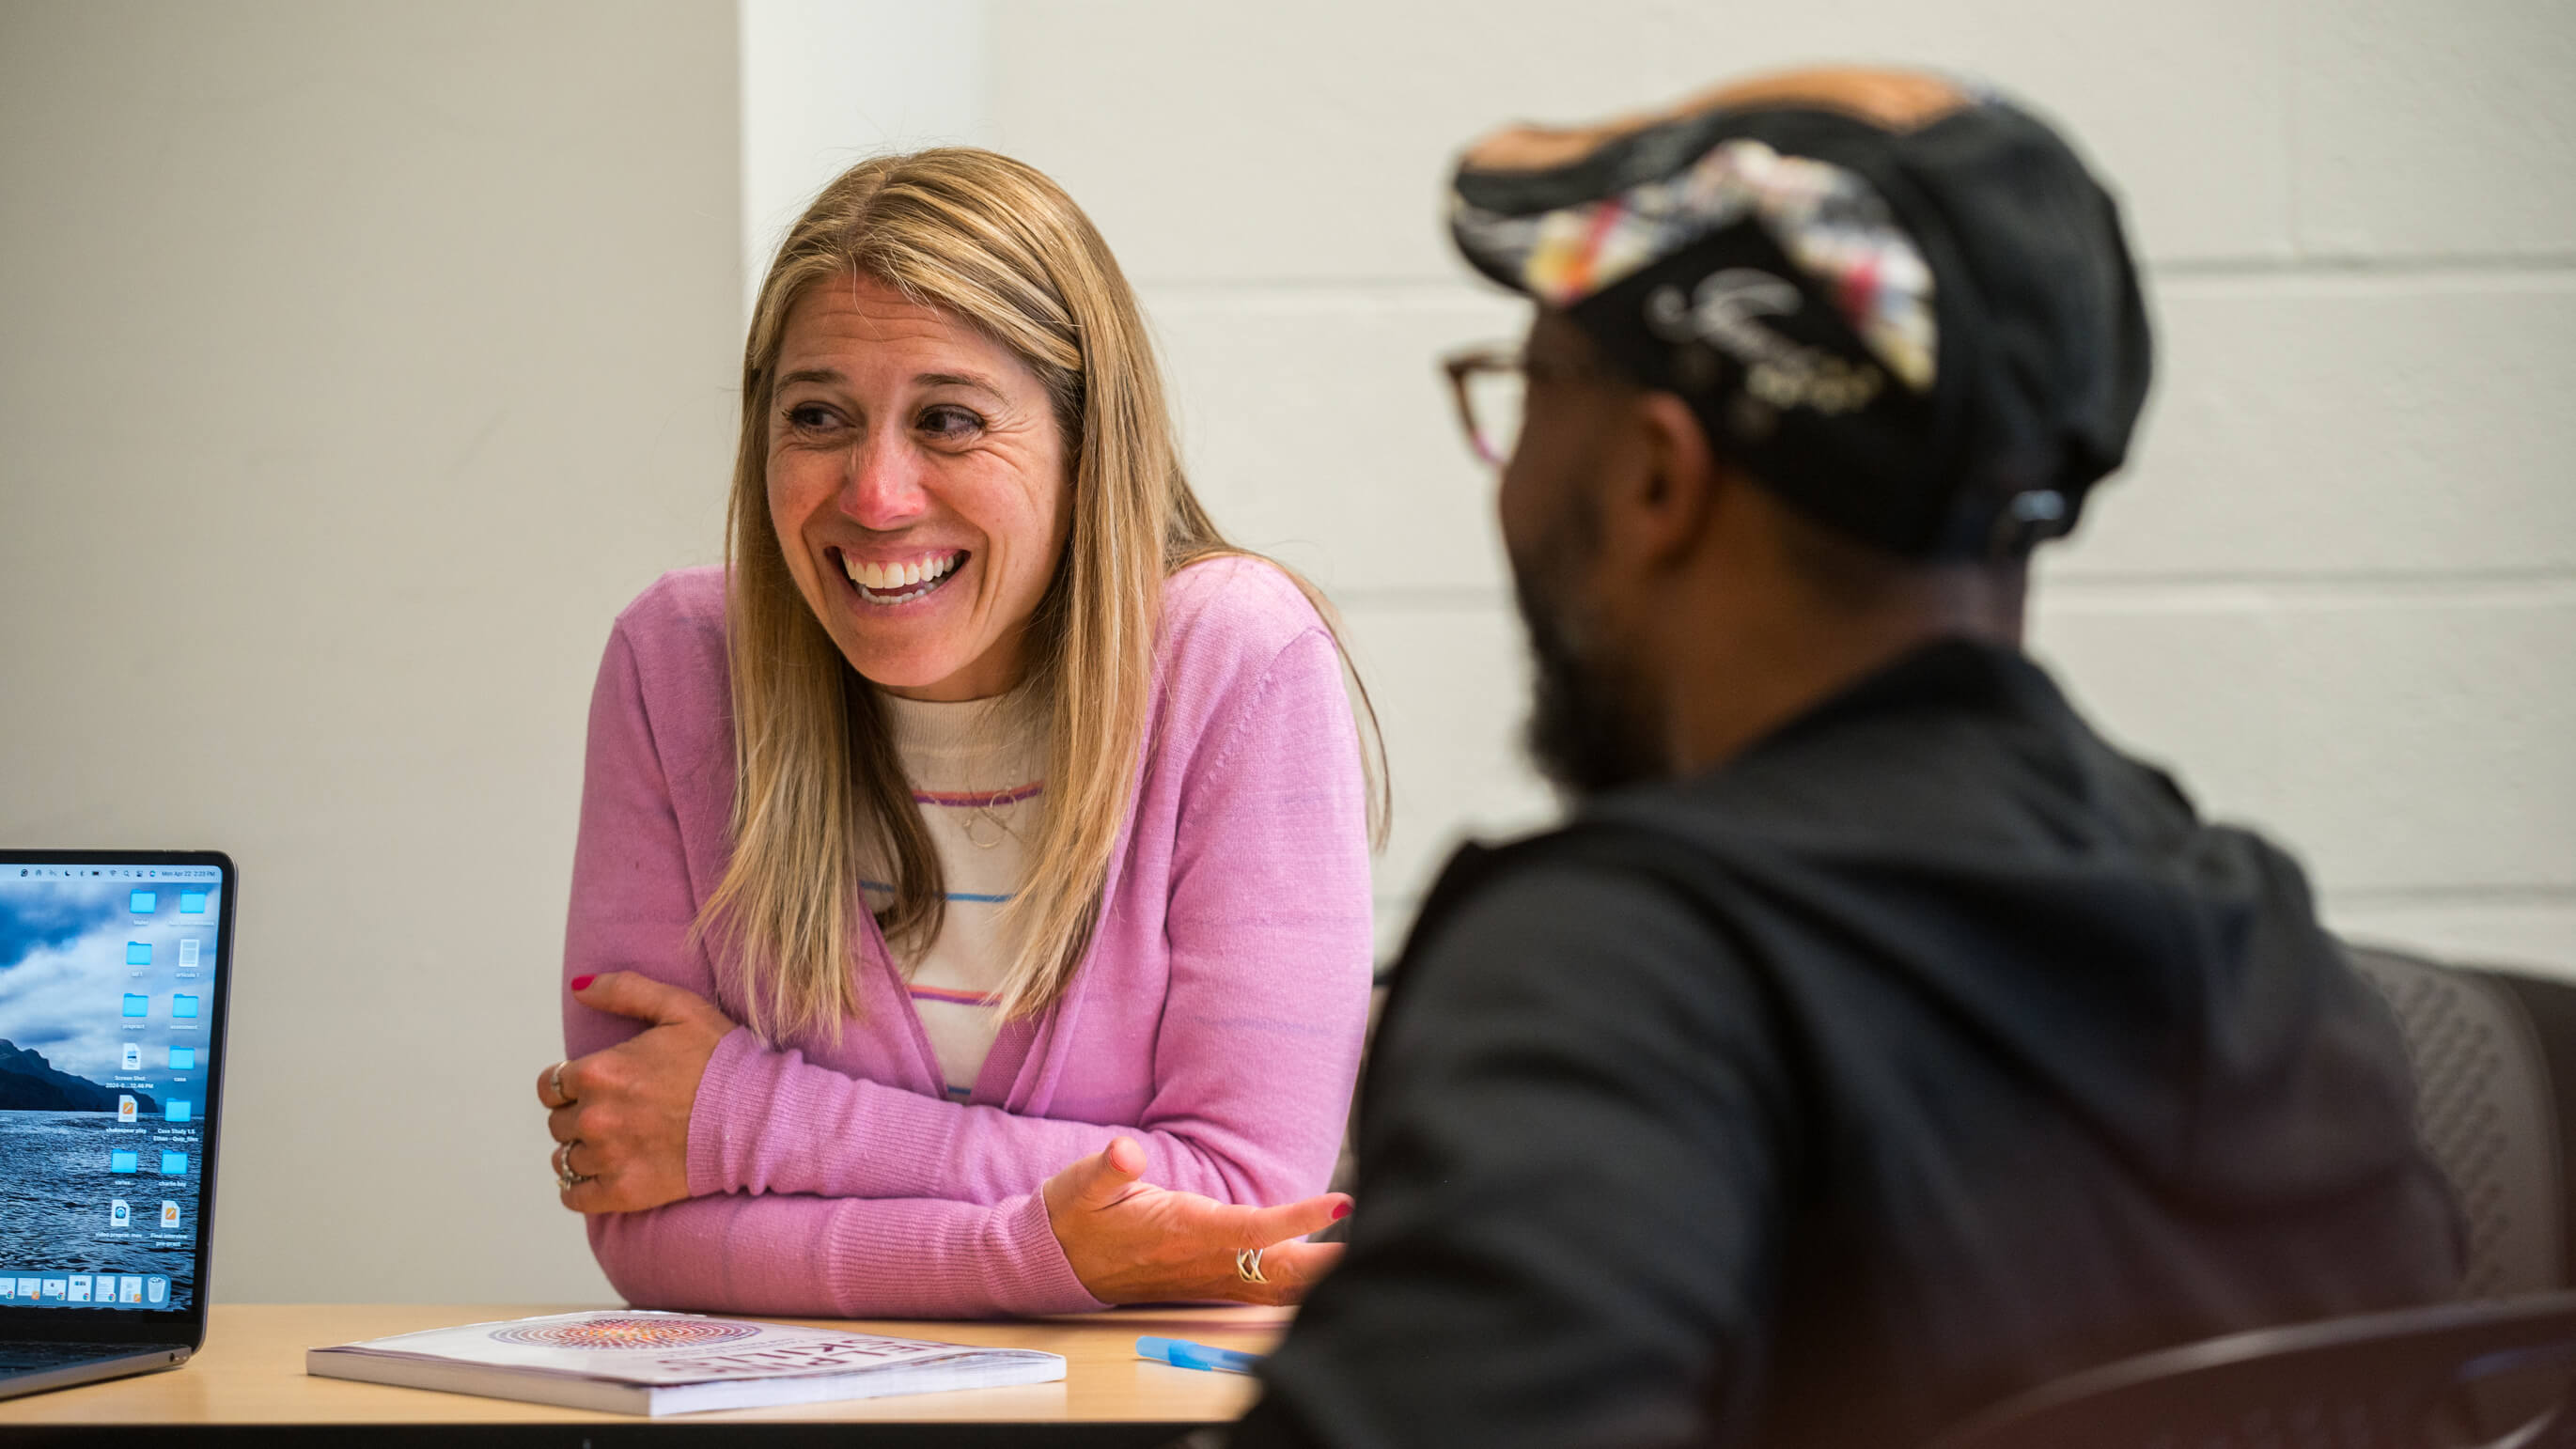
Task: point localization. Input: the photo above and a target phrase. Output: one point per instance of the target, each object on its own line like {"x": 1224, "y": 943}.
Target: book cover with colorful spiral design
{"x": 647, "y": 1362}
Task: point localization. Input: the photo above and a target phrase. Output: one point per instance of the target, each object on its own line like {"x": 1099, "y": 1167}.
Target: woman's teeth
{"x": 901, "y": 583}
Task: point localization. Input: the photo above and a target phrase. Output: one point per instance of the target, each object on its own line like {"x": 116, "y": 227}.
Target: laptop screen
{"x": 110, "y": 1022}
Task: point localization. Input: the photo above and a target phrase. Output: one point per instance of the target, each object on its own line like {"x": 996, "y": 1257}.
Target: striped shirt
{"x": 977, "y": 773}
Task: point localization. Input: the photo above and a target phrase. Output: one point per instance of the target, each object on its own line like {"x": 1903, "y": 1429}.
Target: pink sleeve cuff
{"x": 726, "y": 1109}
{"x": 1009, "y": 1264}
{"x": 1040, "y": 1281}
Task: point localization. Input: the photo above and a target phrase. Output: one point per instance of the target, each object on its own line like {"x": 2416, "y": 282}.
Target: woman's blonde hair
{"x": 995, "y": 243}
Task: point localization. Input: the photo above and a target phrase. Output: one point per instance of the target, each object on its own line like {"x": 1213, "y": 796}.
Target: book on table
{"x": 644, "y": 1362}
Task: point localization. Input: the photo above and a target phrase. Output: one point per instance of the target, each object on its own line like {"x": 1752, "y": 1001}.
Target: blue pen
{"x": 1181, "y": 1353}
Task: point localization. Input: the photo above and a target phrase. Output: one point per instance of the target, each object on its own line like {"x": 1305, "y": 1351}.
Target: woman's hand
{"x": 1130, "y": 1242}
{"x": 623, "y": 1114}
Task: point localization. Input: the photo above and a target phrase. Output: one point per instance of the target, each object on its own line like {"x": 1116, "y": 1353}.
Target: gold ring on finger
{"x": 1247, "y": 1265}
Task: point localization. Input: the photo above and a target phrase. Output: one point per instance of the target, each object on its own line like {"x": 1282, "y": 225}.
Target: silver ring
{"x": 1247, "y": 1264}
{"x": 562, "y": 1097}
{"x": 565, "y": 1178}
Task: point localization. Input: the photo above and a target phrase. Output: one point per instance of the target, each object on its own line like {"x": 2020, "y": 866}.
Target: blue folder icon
{"x": 183, "y": 1005}
{"x": 184, "y": 1058}
{"x": 192, "y": 903}
{"x": 174, "y": 1164}
{"x": 123, "y": 1161}
{"x": 176, "y": 1111}
{"x": 144, "y": 903}
{"x": 137, "y": 1004}
{"x": 138, "y": 953}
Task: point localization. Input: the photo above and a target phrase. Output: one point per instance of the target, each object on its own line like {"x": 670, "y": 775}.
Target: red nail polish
{"x": 1341, "y": 1210}
{"x": 582, "y": 983}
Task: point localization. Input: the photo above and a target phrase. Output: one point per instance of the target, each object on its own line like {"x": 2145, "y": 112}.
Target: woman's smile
{"x": 888, "y": 585}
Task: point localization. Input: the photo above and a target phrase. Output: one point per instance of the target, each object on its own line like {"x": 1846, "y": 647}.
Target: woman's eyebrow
{"x": 832, "y": 377}
{"x": 957, "y": 379}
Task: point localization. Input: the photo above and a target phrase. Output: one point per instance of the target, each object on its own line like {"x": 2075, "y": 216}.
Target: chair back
{"x": 2420, "y": 1378}
{"x": 2488, "y": 1115}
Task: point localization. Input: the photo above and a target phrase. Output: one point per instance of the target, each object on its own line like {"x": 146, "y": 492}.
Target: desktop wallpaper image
{"x": 96, "y": 1006}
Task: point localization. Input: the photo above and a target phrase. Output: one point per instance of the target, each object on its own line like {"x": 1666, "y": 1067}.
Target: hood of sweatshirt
{"x": 2165, "y": 977}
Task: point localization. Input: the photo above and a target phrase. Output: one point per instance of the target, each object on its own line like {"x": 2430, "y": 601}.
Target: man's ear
{"x": 1673, "y": 485}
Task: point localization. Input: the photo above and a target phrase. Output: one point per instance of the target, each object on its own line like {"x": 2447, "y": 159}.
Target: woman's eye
{"x": 809, "y": 417}
{"x": 951, "y": 423}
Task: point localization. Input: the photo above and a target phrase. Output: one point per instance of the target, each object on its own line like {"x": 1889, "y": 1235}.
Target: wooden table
{"x": 248, "y": 1386}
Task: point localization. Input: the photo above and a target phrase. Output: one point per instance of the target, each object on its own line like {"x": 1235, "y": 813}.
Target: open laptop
{"x": 114, "y": 969}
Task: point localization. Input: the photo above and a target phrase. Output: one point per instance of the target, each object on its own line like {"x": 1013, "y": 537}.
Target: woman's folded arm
{"x": 769, "y": 1121}
{"x": 840, "y": 1258}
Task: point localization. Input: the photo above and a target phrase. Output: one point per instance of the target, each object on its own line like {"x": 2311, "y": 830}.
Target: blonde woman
{"x": 970, "y": 914}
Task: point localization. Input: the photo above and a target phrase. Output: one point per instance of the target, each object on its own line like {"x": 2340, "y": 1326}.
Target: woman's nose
{"x": 881, "y": 488}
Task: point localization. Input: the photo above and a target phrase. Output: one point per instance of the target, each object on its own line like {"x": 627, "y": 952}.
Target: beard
{"x": 1588, "y": 730}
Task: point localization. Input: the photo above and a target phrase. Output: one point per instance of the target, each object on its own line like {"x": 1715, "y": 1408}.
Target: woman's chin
{"x": 898, "y": 644}
{"x": 904, "y": 670}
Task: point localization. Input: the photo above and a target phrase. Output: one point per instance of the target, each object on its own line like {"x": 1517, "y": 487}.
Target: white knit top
{"x": 978, "y": 777}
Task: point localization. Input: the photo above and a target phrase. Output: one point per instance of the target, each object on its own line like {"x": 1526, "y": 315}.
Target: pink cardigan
{"x": 1217, "y": 1019}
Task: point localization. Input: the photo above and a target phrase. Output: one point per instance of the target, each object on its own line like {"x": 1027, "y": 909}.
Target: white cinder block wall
{"x": 2336, "y": 589}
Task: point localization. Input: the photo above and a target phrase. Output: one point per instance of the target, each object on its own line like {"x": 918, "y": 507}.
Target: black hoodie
{"x": 1927, "y": 1051}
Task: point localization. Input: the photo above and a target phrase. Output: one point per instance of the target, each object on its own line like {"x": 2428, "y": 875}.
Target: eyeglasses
{"x": 1491, "y": 384}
